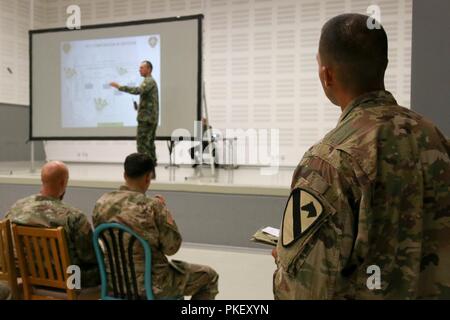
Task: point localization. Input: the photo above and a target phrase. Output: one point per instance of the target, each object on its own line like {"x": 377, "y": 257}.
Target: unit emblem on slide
{"x": 66, "y": 47}
{"x": 153, "y": 41}
{"x": 302, "y": 209}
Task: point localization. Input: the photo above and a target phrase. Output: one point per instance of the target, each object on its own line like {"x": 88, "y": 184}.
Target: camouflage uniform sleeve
{"x": 96, "y": 221}
{"x": 13, "y": 210}
{"x": 97, "y": 216}
{"x": 316, "y": 233}
{"x": 169, "y": 236}
{"x": 145, "y": 87}
{"x": 8, "y": 214}
{"x": 80, "y": 235}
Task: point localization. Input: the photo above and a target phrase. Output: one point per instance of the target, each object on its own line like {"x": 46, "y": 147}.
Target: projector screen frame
{"x": 198, "y": 17}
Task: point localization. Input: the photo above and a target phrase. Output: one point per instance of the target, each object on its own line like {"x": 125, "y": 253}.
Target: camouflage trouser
{"x": 202, "y": 282}
{"x": 4, "y": 291}
{"x": 199, "y": 281}
{"x": 90, "y": 275}
{"x": 146, "y": 139}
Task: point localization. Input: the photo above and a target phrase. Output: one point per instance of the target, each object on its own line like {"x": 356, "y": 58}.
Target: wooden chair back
{"x": 7, "y": 262}
{"x": 43, "y": 261}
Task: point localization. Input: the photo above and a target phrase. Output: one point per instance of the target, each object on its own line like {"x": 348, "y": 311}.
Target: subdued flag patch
{"x": 302, "y": 209}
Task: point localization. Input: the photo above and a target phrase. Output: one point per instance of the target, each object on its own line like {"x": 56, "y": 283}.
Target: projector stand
{"x": 211, "y": 158}
{"x": 171, "y": 147}
{"x": 199, "y": 170}
{"x": 32, "y": 168}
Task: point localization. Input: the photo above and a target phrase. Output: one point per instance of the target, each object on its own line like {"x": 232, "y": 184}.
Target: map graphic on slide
{"x": 87, "y": 68}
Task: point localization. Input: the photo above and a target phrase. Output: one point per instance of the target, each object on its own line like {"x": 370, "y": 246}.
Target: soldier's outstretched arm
{"x": 144, "y": 87}
{"x": 130, "y": 90}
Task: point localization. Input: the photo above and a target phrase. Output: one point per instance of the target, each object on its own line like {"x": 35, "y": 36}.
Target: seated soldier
{"x": 150, "y": 218}
{"x": 47, "y": 210}
{"x": 4, "y": 291}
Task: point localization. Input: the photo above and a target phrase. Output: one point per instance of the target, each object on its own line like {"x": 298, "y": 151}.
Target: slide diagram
{"x": 87, "y": 68}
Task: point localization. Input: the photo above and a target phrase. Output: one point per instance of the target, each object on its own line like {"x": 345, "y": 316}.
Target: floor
{"x": 244, "y": 274}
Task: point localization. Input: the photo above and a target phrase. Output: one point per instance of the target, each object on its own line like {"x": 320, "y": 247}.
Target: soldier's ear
{"x": 148, "y": 177}
{"x": 327, "y": 76}
{"x": 64, "y": 182}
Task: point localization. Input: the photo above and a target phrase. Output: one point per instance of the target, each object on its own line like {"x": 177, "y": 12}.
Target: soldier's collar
{"x": 378, "y": 98}
{"x": 124, "y": 188}
{"x": 127, "y": 188}
{"x": 40, "y": 197}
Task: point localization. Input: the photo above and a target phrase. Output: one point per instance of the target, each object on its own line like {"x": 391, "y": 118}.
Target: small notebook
{"x": 267, "y": 235}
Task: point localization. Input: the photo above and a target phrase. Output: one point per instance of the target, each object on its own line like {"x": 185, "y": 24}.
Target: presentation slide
{"x": 71, "y": 72}
{"x": 88, "y": 67}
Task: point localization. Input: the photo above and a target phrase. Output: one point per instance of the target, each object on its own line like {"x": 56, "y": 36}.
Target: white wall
{"x": 259, "y": 64}
{"x": 14, "y": 26}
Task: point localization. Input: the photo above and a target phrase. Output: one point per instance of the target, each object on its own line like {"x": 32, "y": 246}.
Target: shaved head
{"x": 54, "y": 177}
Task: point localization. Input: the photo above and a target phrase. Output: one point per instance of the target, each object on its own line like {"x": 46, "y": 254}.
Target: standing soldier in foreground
{"x": 148, "y": 111}
{"x": 369, "y": 211}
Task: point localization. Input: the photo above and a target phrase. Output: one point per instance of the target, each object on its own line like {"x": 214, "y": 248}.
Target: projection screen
{"x": 70, "y": 72}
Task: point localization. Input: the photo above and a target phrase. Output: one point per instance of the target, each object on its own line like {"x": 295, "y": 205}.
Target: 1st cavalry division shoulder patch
{"x": 302, "y": 209}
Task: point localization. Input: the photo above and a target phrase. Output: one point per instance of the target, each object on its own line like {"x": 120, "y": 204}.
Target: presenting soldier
{"x": 369, "y": 211}
{"x": 150, "y": 218}
{"x": 148, "y": 110}
{"x": 47, "y": 210}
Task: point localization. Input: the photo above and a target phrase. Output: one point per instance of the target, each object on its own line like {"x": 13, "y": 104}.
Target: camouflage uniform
{"x": 147, "y": 117}
{"x": 153, "y": 222}
{"x": 374, "y": 191}
{"x": 47, "y": 212}
{"x": 4, "y": 291}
